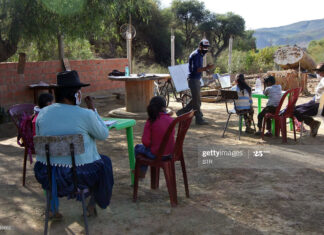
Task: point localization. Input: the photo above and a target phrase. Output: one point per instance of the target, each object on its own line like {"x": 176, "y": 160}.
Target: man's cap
{"x": 69, "y": 79}
{"x": 204, "y": 43}
{"x": 320, "y": 67}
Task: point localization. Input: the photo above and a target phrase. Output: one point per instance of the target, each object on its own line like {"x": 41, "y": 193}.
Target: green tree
{"x": 218, "y": 28}
{"x": 74, "y": 49}
{"x": 108, "y": 43}
{"x": 245, "y": 42}
{"x": 189, "y": 15}
{"x": 248, "y": 62}
{"x": 316, "y": 50}
{"x": 44, "y": 20}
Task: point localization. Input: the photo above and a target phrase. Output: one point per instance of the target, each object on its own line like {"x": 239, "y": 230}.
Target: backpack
{"x": 25, "y": 135}
{"x": 116, "y": 73}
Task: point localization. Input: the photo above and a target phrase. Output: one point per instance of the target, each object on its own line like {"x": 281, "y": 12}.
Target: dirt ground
{"x": 285, "y": 196}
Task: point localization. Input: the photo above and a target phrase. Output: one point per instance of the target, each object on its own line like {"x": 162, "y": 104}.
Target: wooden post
{"x": 129, "y": 44}
{"x": 204, "y": 59}
{"x": 230, "y": 45}
{"x": 172, "y": 48}
{"x": 21, "y": 63}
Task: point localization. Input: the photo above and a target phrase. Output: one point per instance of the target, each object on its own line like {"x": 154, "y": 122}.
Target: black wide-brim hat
{"x": 69, "y": 79}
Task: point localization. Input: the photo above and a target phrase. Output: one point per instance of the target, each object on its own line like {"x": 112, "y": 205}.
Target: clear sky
{"x": 266, "y": 14}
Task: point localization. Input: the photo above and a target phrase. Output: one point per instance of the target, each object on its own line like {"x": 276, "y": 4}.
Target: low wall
{"x": 14, "y": 87}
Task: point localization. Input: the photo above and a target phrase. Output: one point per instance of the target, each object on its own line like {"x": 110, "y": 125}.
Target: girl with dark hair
{"x": 244, "y": 102}
{"x": 155, "y": 127}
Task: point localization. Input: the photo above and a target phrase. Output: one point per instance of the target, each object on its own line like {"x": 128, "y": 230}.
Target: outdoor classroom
{"x": 115, "y": 133}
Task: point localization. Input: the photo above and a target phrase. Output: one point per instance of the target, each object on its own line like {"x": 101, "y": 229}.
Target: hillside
{"x": 300, "y": 33}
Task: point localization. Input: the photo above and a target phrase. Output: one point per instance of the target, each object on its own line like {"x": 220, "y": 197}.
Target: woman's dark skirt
{"x": 97, "y": 176}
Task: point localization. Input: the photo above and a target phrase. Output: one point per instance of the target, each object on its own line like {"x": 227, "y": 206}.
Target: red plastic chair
{"x": 281, "y": 116}
{"x": 168, "y": 166}
{"x": 16, "y": 112}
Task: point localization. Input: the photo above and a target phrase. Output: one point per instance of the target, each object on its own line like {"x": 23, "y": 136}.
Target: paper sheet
{"x": 110, "y": 123}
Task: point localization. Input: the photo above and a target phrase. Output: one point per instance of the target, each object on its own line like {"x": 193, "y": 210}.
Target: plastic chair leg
{"x": 169, "y": 178}
{"x": 185, "y": 179}
{"x": 24, "y": 167}
{"x": 283, "y": 130}
{"x": 226, "y": 125}
{"x": 84, "y": 214}
{"x": 155, "y": 177}
{"x": 47, "y": 212}
{"x": 277, "y": 128}
{"x": 294, "y": 129}
{"x": 137, "y": 169}
{"x": 174, "y": 182}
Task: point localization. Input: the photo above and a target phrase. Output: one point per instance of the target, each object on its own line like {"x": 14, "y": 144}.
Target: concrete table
{"x": 139, "y": 90}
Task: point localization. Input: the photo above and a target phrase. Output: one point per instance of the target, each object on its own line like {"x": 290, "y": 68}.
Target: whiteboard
{"x": 179, "y": 74}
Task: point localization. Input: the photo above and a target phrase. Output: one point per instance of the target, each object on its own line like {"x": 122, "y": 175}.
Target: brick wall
{"x": 14, "y": 87}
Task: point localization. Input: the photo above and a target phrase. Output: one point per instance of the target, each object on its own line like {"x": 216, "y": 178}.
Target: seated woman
{"x": 244, "y": 102}
{"x": 154, "y": 130}
{"x": 94, "y": 171}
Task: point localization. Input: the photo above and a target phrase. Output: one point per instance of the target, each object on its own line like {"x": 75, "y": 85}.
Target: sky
{"x": 266, "y": 14}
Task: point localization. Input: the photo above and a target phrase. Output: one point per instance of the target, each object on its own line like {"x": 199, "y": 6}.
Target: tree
{"x": 108, "y": 43}
{"x": 245, "y": 42}
{"x": 316, "y": 50}
{"x": 43, "y": 20}
{"x": 189, "y": 15}
{"x": 218, "y": 28}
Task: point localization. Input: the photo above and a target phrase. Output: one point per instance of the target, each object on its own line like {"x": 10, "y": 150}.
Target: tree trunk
{"x": 291, "y": 57}
{"x": 7, "y": 50}
{"x": 60, "y": 40}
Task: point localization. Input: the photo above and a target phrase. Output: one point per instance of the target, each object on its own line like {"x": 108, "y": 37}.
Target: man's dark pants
{"x": 268, "y": 109}
{"x": 195, "y": 102}
{"x": 304, "y": 112}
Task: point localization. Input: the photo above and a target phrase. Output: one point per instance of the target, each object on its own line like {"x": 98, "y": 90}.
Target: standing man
{"x": 195, "y": 70}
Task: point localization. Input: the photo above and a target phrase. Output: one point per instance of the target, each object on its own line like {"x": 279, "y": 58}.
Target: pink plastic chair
{"x": 281, "y": 118}
{"x": 168, "y": 167}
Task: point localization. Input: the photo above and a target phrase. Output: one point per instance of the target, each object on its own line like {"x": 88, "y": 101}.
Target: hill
{"x": 300, "y": 33}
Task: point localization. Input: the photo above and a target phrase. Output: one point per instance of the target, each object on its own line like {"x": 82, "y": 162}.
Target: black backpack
{"x": 116, "y": 73}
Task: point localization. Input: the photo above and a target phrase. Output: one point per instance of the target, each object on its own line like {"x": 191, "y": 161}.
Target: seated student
{"x": 154, "y": 130}
{"x": 244, "y": 102}
{"x": 44, "y": 100}
{"x": 304, "y": 112}
{"x": 94, "y": 170}
{"x": 274, "y": 93}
